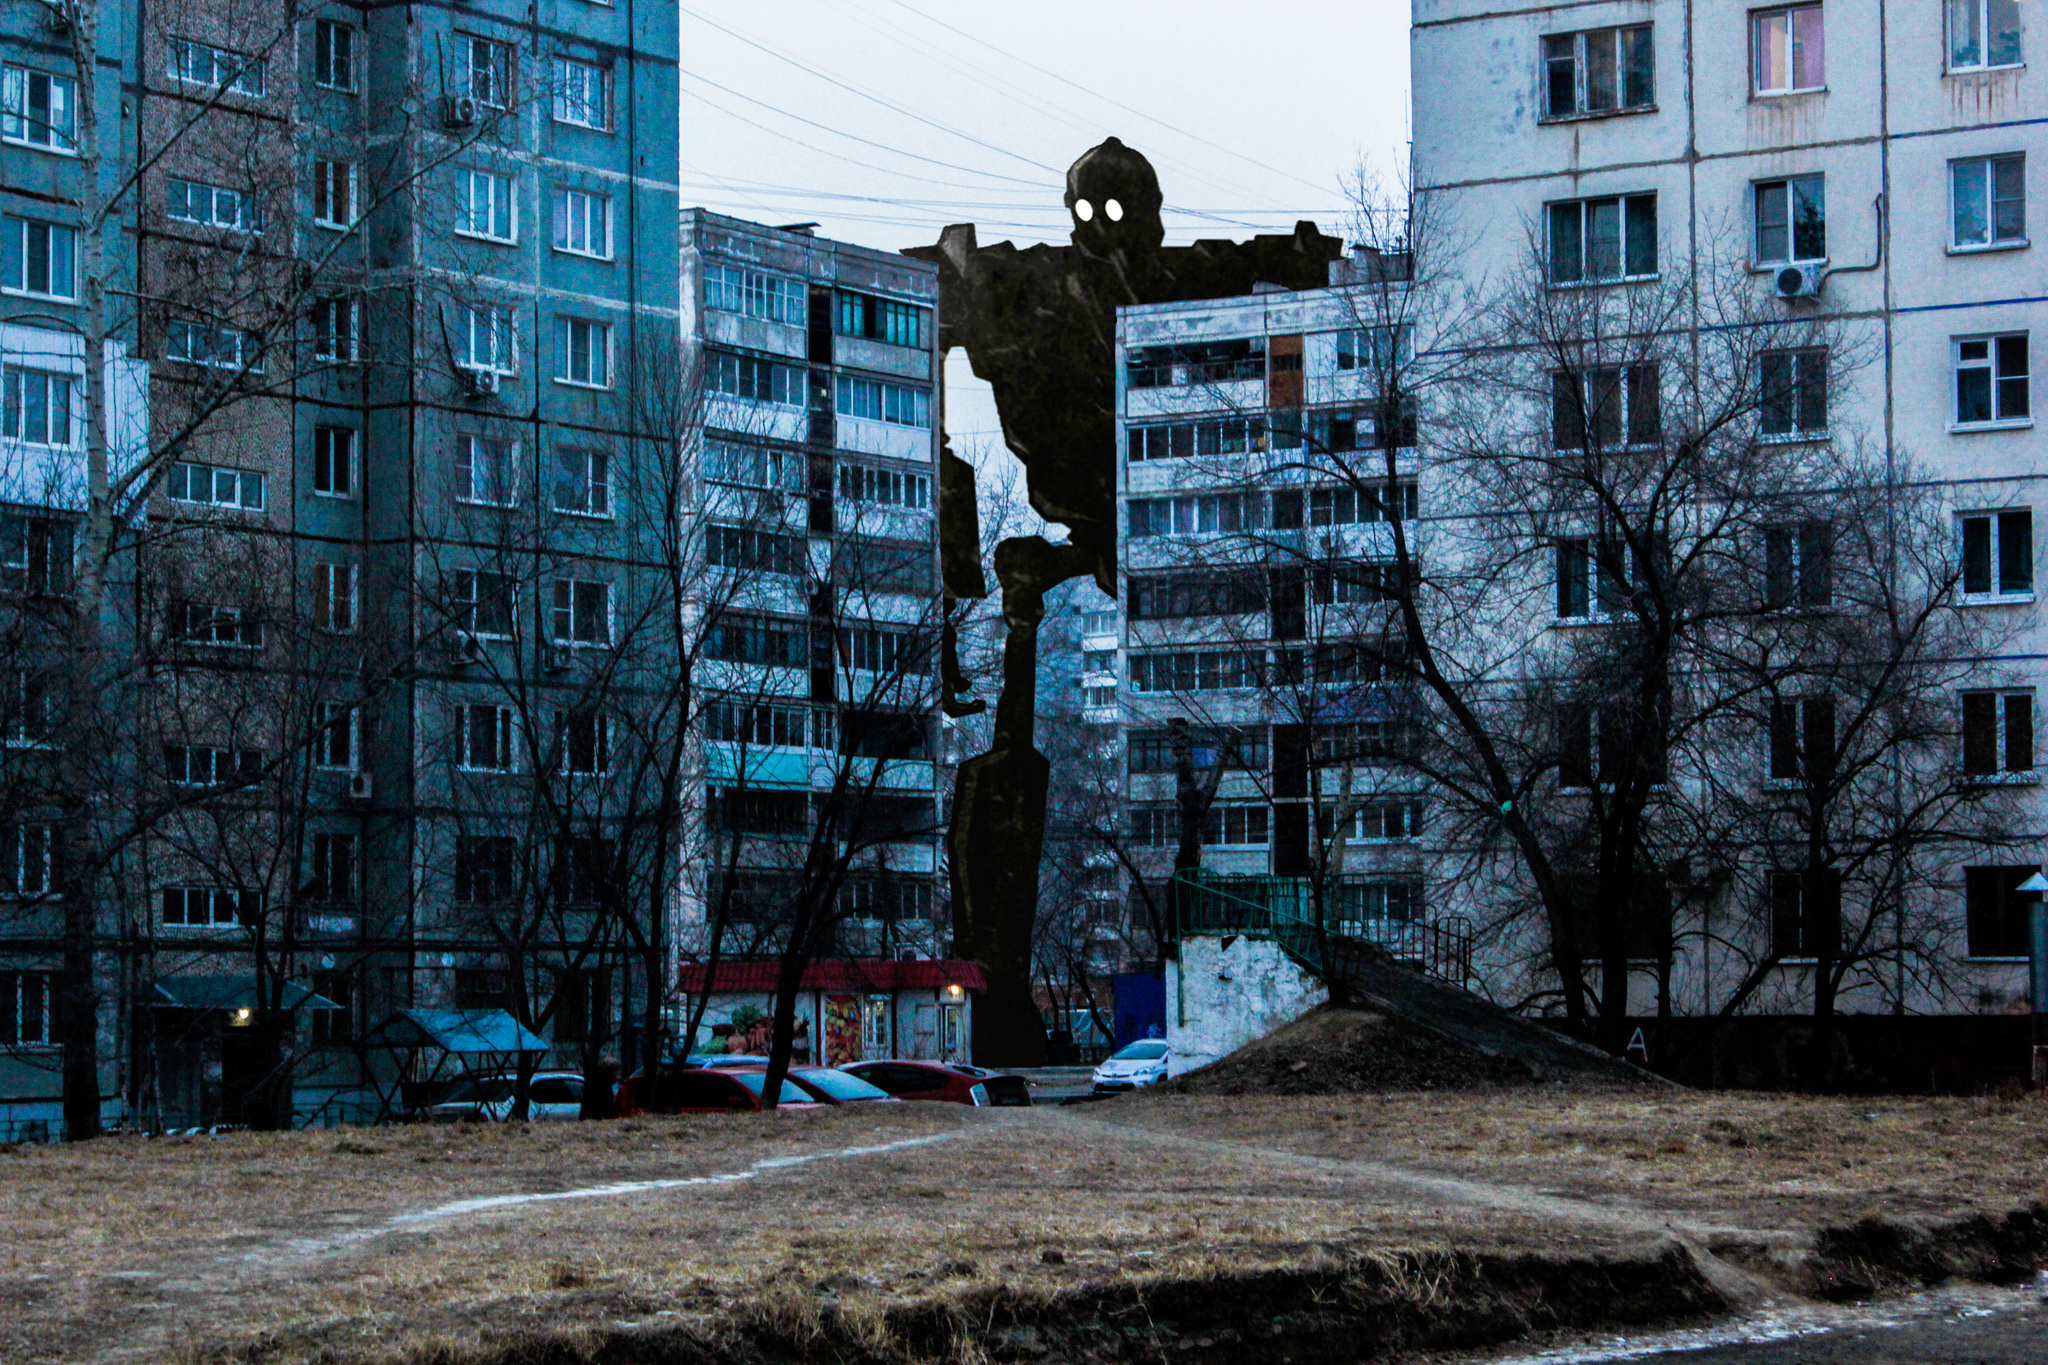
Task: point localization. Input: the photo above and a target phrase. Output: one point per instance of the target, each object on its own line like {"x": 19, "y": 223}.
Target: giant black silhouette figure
{"x": 1040, "y": 326}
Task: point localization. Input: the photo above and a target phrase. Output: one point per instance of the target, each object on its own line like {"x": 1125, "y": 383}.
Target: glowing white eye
{"x": 1084, "y": 210}
{"x": 1114, "y": 210}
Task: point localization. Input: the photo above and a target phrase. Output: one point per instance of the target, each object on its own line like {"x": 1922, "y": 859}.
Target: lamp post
{"x": 2037, "y": 973}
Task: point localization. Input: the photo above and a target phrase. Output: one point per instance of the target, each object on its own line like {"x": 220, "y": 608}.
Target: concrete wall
{"x": 1224, "y": 992}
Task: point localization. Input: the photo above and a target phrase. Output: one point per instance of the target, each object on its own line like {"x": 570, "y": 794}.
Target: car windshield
{"x": 757, "y": 1080}
{"x": 1149, "y": 1051}
{"x": 841, "y": 1086}
{"x": 469, "y": 1090}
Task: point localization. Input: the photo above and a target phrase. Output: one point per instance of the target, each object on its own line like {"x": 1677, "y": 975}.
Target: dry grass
{"x": 134, "y": 1248}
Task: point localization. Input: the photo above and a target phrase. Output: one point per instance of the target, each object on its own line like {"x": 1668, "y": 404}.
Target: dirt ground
{"x": 393, "y": 1244}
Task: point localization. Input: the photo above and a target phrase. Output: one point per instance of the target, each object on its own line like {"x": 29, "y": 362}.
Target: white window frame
{"x": 248, "y": 217}
{"x": 499, "y": 491}
{"x": 499, "y": 326}
{"x": 335, "y": 585}
{"x": 585, "y": 214}
{"x": 1801, "y": 360}
{"x": 592, "y": 482}
{"x": 1585, "y": 277}
{"x": 490, "y": 80}
{"x": 223, "y": 907}
{"x": 325, "y": 467}
{"x": 25, "y": 858}
{"x": 1960, "y": 360}
{"x": 596, "y": 347}
{"x": 337, "y": 328}
{"x": 335, "y": 46}
{"x": 601, "y": 742}
{"x": 334, "y": 186}
{"x": 575, "y": 83}
{"x": 16, "y": 385}
{"x": 2004, "y": 725}
{"x": 1758, "y": 18}
{"x": 18, "y": 124}
{"x": 216, "y": 348}
{"x": 1980, "y": 11}
{"x": 185, "y": 55}
{"x": 756, "y": 294}
{"x": 487, "y": 196}
{"x": 45, "y": 1014}
{"x": 743, "y": 464}
{"x": 206, "y": 485}
{"x": 567, "y": 615}
{"x": 500, "y": 719}
{"x": 1984, "y": 169}
{"x": 1790, "y": 187}
{"x": 337, "y": 718}
{"x": 1998, "y": 524}
{"x": 469, "y": 584}
{"x": 243, "y": 626}
{"x": 14, "y": 249}
{"x": 1582, "y": 70}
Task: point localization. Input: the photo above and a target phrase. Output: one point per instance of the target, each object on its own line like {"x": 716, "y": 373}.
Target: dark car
{"x": 488, "y": 1099}
{"x": 702, "y": 1090}
{"x": 834, "y": 1085}
{"x": 951, "y": 1082}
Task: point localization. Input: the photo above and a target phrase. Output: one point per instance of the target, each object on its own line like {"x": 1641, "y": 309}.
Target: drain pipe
{"x": 2037, "y": 975}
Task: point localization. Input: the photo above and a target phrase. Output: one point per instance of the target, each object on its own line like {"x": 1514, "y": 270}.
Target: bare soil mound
{"x": 1342, "y": 1051}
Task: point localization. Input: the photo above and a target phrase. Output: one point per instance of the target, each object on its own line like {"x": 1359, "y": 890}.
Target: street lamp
{"x": 2037, "y": 972}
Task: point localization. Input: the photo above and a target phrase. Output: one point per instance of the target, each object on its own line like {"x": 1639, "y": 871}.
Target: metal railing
{"x": 1283, "y": 909}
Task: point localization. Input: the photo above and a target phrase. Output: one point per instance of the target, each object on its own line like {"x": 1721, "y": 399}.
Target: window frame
{"x": 243, "y": 67}
{"x": 598, "y": 350}
{"x": 249, "y": 215}
{"x": 1756, "y": 20}
{"x": 17, "y": 383}
{"x": 182, "y": 472}
{"x": 1798, "y": 565}
{"x": 500, "y": 184}
{"x": 336, "y": 585}
{"x": 1982, "y": 13}
{"x": 500, "y": 720}
{"x": 337, "y": 718}
{"x": 242, "y": 907}
{"x": 21, "y": 257}
{"x": 596, "y": 477}
{"x": 504, "y": 337}
{"x": 562, "y": 200}
{"x": 1987, "y": 166}
{"x": 1582, "y": 68}
{"x": 1792, "y": 188}
{"x": 497, "y": 69}
{"x": 1995, "y": 377}
{"x": 1626, "y": 213}
{"x": 328, "y": 54}
{"x": 568, "y": 612}
{"x": 17, "y": 82}
{"x": 564, "y": 109}
{"x": 1998, "y": 741}
{"x": 1791, "y": 730}
{"x": 330, "y": 174}
{"x": 337, "y": 328}
{"x": 469, "y": 595}
{"x": 1802, "y": 391}
{"x": 326, "y": 438}
{"x": 505, "y": 486}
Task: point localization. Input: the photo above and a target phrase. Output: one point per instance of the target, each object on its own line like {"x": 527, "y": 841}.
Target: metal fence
{"x": 1283, "y": 909}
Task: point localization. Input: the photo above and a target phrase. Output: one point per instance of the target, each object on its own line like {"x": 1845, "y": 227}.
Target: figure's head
{"x": 1114, "y": 199}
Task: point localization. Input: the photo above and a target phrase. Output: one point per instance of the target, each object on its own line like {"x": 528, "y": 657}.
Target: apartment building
{"x": 818, "y": 668}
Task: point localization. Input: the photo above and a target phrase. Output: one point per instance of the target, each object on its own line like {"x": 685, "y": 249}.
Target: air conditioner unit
{"x": 467, "y": 649}
{"x": 1799, "y": 281}
{"x": 360, "y": 787}
{"x": 555, "y": 658}
{"x": 479, "y": 382}
{"x": 458, "y": 111}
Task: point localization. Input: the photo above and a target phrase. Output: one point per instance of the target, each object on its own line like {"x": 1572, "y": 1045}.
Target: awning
{"x": 458, "y": 1031}
{"x": 231, "y": 993}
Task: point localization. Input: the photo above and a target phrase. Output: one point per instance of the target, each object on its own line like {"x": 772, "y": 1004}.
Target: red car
{"x": 698, "y": 1090}
{"x": 952, "y": 1082}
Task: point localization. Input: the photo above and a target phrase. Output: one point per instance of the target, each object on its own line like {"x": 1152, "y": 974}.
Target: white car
{"x": 552, "y": 1095}
{"x": 1139, "y": 1064}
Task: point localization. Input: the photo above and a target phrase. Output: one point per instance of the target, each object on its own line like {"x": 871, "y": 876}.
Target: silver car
{"x": 551, "y": 1095}
{"x": 1136, "y": 1065}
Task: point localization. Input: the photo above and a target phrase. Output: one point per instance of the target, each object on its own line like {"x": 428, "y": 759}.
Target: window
{"x": 874, "y": 650}
{"x": 335, "y": 1025}
{"x": 38, "y": 258}
{"x": 335, "y": 322}
{"x": 1159, "y": 826}
{"x": 740, "y": 547}
{"x": 27, "y": 712}
{"x": 483, "y": 737}
{"x": 220, "y": 348}
{"x": 35, "y": 554}
{"x": 582, "y": 612}
{"x": 1094, "y": 697}
{"x": 876, "y": 401}
{"x": 1182, "y": 440}
{"x": 188, "y": 765}
{"x": 752, "y": 466}
{"x": 861, "y": 483}
{"x": 583, "y": 481}
{"x": 1191, "y": 514}
{"x": 334, "y": 598}
{"x": 1345, "y": 504}
{"x": 1606, "y": 408}
{"x": 1794, "y": 400}
{"x": 1400, "y": 902}
{"x": 584, "y": 740}
{"x": 737, "y": 722}
{"x": 209, "y": 907}
{"x": 1596, "y": 744}
{"x": 483, "y": 868}
{"x": 191, "y": 201}
{"x": 488, "y": 209}
{"x": 759, "y": 640}
{"x": 1988, "y": 201}
{"x": 334, "y": 461}
{"x": 490, "y": 70}
{"x": 1385, "y": 822}
{"x": 1218, "y": 592}
{"x": 1998, "y": 733}
{"x": 1786, "y": 50}
{"x": 1151, "y": 751}
{"x": 334, "y": 55}
{"x": 1803, "y": 741}
{"x": 1354, "y": 582}
{"x": 483, "y": 603}
{"x": 583, "y": 352}
{"x": 755, "y": 294}
{"x": 482, "y": 989}
{"x": 334, "y": 738}
{"x": 201, "y": 64}
{"x": 1991, "y": 380}
{"x": 334, "y": 193}
{"x": 215, "y": 486}
{"x": 580, "y": 94}
{"x": 582, "y": 868}
{"x": 890, "y": 320}
{"x": 202, "y": 623}
{"x": 25, "y": 859}
{"x": 745, "y": 376}
{"x": 872, "y": 732}
{"x": 488, "y": 338}
{"x": 1791, "y": 220}
{"x": 1376, "y": 348}
{"x": 1196, "y": 671}
{"x": 1997, "y": 910}
{"x": 29, "y": 1008}
{"x": 1603, "y": 239}
{"x": 1599, "y": 71}
{"x": 484, "y": 470}
{"x": 583, "y": 222}
{"x": 36, "y": 406}
{"x": 1098, "y": 660}
{"x": 334, "y": 869}
{"x": 1206, "y": 362}
{"x": 37, "y": 108}
{"x": 1983, "y": 33}
{"x": 1806, "y": 913}
{"x": 1797, "y": 570}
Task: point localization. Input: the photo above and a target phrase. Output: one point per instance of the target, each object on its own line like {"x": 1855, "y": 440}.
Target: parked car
{"x": 550, "y": 1095}
{"x": 1136, "y": 1065}
{"x": 706, "y": 1090}
{"x": 836, "y": 1086}
{"x": 952, "y": 1082}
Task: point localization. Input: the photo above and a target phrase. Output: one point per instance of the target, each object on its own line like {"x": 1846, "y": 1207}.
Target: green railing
{"x": 1283, "y": 910}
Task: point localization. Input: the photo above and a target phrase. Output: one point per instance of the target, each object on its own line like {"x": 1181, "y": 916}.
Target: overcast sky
{"x": 885, "y": 120}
